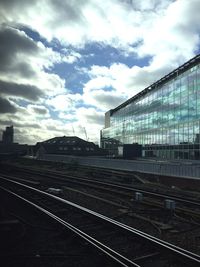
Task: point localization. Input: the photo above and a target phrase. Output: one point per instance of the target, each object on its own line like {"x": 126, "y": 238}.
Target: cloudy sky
{"x": 64, "y": 63}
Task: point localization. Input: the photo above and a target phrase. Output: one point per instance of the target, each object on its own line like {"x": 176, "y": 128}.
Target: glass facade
{"x": 165, "y": 118}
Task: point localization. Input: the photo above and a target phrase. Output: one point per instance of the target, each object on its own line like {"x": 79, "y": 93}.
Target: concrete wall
{"x": 178, "y": 169}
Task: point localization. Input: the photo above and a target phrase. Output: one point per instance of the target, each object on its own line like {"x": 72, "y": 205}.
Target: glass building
{"x": 164, "y": 118}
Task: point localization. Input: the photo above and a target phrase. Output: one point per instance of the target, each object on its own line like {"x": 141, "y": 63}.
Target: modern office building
{"x": 164, "y": 118}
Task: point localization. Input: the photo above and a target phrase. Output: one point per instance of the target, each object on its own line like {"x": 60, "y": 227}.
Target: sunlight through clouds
{"x": 64, "y": 63}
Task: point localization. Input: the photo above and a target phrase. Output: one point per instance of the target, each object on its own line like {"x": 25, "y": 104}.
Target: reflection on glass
{"x": 165, "y": 120}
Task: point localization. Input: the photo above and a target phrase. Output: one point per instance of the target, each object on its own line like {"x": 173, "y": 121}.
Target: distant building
{"x": 9, "y": 149}
{"x": 8, "y": 134}
{"x": 68, "y": 145}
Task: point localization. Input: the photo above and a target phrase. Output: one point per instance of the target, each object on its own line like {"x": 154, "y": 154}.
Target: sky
{"x": 64, "y": 63}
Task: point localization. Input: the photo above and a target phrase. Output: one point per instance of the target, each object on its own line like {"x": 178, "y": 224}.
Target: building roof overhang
{"x": 189, "y": 64}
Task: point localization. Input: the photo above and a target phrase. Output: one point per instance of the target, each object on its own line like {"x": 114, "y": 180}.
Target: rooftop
{"x": 70, "y": 140}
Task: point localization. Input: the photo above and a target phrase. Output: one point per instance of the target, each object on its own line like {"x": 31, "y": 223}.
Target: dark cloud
{"x": 6, "y": 106}
{"x": 95, "y": 118}
{"x": 23, "y": 69}
{"x": 67, "y": 10}
{"x": 27, "y": 91}
{"x": 108, "y": 100}
{"x": 15, "y": 41}
{"x": 19, "y": 125}
{"x": 27, "y": 125}
{"x": 14, "y": 46}
{"x": 52, "y": 128}
{"x": 5, "y": 122}
{"x": 12, "y": 4}
{"x": 62, "y": 11}
{"x": 14, "y": 7}
{"x": 40, "y": 110}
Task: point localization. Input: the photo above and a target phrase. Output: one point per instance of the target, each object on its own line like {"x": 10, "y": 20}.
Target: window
{"x": 77, "y": 148}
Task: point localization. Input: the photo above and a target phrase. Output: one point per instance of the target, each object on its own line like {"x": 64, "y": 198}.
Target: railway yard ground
{"x": 165, "y": 208}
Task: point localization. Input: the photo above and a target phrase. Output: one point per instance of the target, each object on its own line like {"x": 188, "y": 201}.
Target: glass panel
{"x": 168, "y": 115}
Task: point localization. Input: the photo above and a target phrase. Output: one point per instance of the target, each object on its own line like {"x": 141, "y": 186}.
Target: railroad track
{"x": 180, "y": 227}
{"x": 121, "y": 194}
{"x": 92, "y": 253}
{"x": 124, "y": 190}
{"x": 91, "y": 171}
{"x": 126, "y": 245}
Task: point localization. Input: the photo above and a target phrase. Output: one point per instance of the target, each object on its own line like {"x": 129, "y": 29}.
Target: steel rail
{"x": 170, "y": 247}
{"x": 179, "y": 199}
{"x": 159, "y": 195}
{"x": 123, "y": 261}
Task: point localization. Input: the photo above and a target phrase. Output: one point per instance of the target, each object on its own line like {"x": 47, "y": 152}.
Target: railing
{"x": 178, "y": 169}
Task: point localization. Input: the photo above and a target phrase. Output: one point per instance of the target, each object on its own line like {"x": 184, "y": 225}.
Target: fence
{"x": 178, "y": 169}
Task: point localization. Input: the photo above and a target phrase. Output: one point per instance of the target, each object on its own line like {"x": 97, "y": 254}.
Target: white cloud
{"x": 175, "y": 35}
{"x": 146, "y": 27}
{"x": 68, "y": 116}
{"x": 103, "y": 100}
{"x": 73, "y": 22}
{"x": 165, "y": 30}
{"x": 64, "y": 102}
{"x": 90, "y": 116}
{"x": 110, "y": 86}
{"x": 89, "y": 124}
